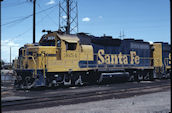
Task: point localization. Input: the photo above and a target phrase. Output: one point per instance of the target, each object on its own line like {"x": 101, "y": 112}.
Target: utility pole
{"x": 10, "y": 55}
{"x": 68, "y": 16}
{"x": 34, "y": 24}
{"x": 0, "y": 29}
{"x": 34, "y": 16}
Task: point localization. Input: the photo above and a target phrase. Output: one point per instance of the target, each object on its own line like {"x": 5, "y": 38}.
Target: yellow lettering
{"x": 107, "y": 59}
{"x": 116, "y": 59}
{"x": 125, "y": 59}
{"x": 137, "y": 59}
{"x": 120, "y": 58}
{"x": 100, "y": 53}
{"x": 112, "y": 59}
{"x": 132, "y": 54}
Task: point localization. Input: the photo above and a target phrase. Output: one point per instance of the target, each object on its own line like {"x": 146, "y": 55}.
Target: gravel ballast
{"x": 149, "y": 103}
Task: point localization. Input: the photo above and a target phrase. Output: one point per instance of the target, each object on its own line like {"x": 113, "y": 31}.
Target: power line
{"x": 9, "y": 46}
{"x": 14, "y": 4}
{"x": 48, "y": 15}
{"x": 26, "y": 17}
{"x": 17, "y": 20}
{"x": 19, "y": 35}
{"x": 39, "y": 21}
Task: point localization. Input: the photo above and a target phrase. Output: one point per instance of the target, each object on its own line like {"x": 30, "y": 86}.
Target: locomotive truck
{"x": 77, "y": 59}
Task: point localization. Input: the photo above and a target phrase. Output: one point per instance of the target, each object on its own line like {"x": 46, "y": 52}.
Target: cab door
{"x": 58, "y": 50}
{"x": 71, "y": 55}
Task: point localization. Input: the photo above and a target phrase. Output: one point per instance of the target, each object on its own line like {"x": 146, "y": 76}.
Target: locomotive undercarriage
{"x": 139, "y": 74}
{"x": 26, "y": 80}
{"x": 65, "y": 79}
{"x": 144, "y": 75}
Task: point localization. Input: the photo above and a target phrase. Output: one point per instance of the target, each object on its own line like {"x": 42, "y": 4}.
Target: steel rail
{"x": 74, "y": 97}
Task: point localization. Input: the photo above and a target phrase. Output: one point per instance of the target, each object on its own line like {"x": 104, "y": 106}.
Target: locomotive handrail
{"x": 35, "y": 65}
{"x": 166, "y": 63}
{"x": 43, "y": 58}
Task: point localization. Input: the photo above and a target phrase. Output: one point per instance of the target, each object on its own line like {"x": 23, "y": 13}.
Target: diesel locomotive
{"x": 77, "y": 59}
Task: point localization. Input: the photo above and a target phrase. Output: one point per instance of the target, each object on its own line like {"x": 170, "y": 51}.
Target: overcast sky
{"x": 140, "y": 19}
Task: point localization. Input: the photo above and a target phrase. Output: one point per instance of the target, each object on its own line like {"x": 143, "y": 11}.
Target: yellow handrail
{"x": 35, "y": 71}
{"x": 43, "y": 63}
{"x": 35, "y": 67}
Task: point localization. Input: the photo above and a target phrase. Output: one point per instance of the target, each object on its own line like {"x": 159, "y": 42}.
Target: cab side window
{"x": 71, "y": 46}
{"x": 59, "y": 43}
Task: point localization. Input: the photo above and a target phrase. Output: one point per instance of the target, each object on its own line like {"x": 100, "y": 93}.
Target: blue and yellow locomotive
{"x": 62, "y": 59}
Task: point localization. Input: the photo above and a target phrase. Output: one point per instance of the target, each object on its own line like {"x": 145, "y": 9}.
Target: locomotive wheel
{"x": 79, "y": 81}
{"x": 151, "y": 76}
{"x": 76, "y": 79}
{"x": 146, "y": 76}
{"x": 67, "y": 79}
{"x": 140, "y": 77}
{"x": 28, "y": 82}
{"x": 18, "y": 82}
{"x": 131, "y": 78}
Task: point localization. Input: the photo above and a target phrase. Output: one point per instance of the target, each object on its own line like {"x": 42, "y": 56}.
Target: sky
{"x": 140, "y": 19}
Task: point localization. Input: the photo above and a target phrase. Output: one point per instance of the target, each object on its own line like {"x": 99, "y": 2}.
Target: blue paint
{"x": 142, "y": 49}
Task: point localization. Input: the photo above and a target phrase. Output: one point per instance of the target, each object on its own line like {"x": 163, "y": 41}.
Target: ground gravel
{"x": 149, "y": 103}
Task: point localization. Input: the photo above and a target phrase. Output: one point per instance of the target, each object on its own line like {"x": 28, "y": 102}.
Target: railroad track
{"x": 80, "y": 97}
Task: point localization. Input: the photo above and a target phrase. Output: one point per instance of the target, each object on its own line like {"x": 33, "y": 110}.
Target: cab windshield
{"x": 47, "y": 41}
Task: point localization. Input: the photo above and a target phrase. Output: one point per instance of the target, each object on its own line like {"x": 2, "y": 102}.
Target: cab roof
{"x": 68, "y": 38}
